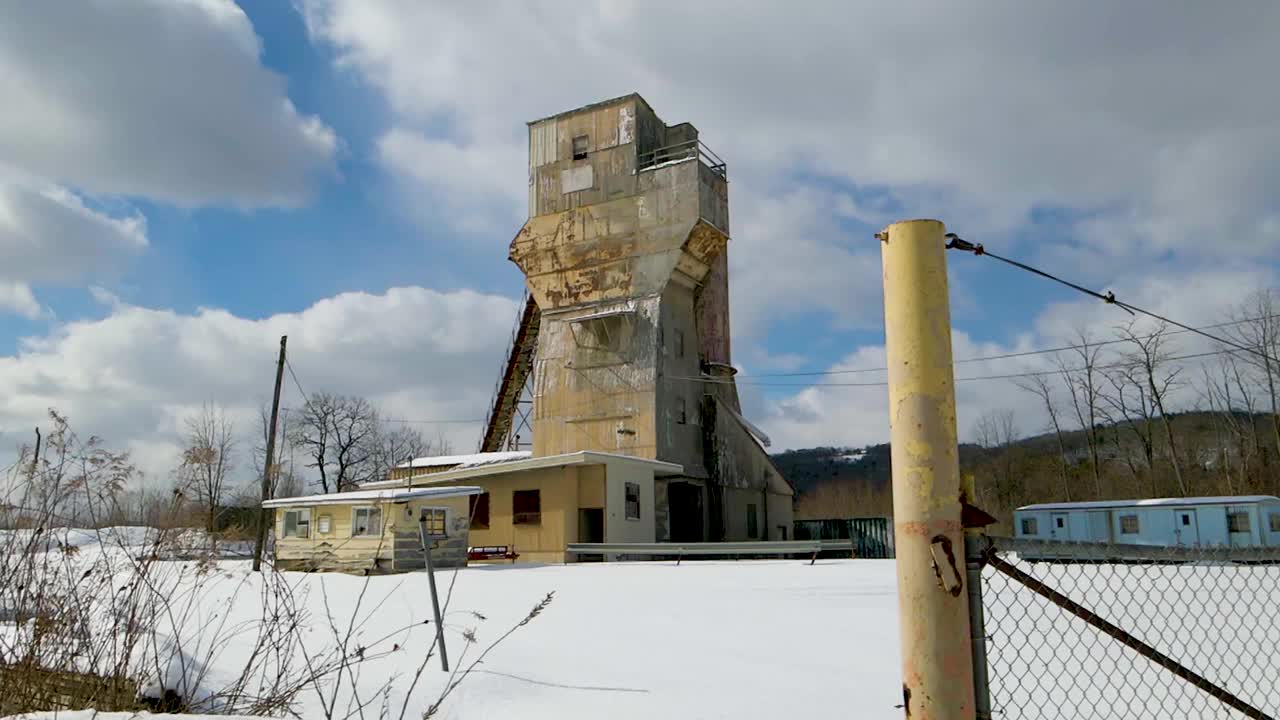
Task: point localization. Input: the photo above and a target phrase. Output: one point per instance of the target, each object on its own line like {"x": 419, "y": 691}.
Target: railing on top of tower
{"x": 683, "y": 151}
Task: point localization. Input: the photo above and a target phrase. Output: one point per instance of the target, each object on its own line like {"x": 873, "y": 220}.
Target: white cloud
{"x": 17, "y": 298}
{"x": 49, "y": 235}
{"x": 133, "y": 376}
{"x": 471, "y": 188}
{"x": 1127, "y": 118}
{"x": 978, "y": 114}
{"x": 166, "y": 99}
{"x": 833, "y": 411}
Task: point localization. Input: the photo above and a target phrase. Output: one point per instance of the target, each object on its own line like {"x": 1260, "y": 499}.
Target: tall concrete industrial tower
{"x": 626, "y": 332}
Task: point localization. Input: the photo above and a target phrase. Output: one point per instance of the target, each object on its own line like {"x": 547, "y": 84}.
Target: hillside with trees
{"x": 1127, "y": 415}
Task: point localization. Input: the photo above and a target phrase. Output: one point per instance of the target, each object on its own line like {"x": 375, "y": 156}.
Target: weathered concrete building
{"x": 624, "y": 345}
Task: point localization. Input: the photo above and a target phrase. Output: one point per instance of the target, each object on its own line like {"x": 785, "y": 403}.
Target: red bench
{"x": 492, "y": 552}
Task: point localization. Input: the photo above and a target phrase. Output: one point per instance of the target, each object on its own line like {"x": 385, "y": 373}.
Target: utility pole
{"x": 264, "y": 514}
{"x": 933, "y": 608}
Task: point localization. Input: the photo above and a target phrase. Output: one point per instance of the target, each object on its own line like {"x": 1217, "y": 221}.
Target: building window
{"x": 297, "y": 523}
{"x": 679, "y": 343}
{"x": 436, "y": 520}
{"x": 1059, "y": 522}
{"x": 1030, "y": 526}
{"x": 1128, "y": 524}
{"x": 1186, "y": 519}
{"x": 682, "y": 415}
{"x": 1275, "y": 522}
{"x": 324, "y": 524}
{"x": 752, "y": 528}
{"x": 580, "y": 147}
{"x": 633, "y": 501}
{"x": 526, "y": 507}
{"x": 366, "y": 522}
{"x": 478, "y": 511}
{"x": 782, "y": 532}
{"x": 1238, "y": 521}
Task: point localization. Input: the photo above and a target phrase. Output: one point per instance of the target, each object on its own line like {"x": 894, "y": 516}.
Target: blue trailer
{"x": 1245, "y": 521}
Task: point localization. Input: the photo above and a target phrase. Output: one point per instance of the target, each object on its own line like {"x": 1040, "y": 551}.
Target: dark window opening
{"x": 526, "y": 507}
{"x": 1275, "y": 522}
{"x": 782, "y": 532}
{"x": 478, "y": 510}
{"x": 1186, "y": 519}
{"x": 580, "y": 147}
{"x": 1059, "y": 522}
{"x": 753, "y": 528}
{"x": 1238, "y": 522}
{"x": 1128, "y": 524}
{"x": 679, "y": 343}
{"x": 682, "y": 416}
{"x": 633, "y": 501}
{"x": 1030, "y": 526}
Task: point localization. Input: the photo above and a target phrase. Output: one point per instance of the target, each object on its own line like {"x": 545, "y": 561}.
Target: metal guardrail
{"x": 683, "y": 550}
{"x": 683, "y": 151}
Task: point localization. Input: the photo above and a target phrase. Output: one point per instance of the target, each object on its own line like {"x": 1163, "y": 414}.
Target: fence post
{"x": 975, "y": 545}
{"x": 933, "y": 609}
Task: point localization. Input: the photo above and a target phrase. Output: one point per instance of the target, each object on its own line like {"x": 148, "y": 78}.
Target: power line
{"x": 956, "y": 243}
{"x": 975, "y": 378}
{"x": 1023, "y": 353}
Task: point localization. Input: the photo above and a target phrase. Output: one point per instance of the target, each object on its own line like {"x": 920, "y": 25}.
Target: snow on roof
{"x": 364, "y": 496}
{"x": 466, "y": 461}
{"x": 1156, "y": 502}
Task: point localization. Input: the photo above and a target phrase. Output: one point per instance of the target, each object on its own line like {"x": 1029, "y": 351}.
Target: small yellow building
{"x": 534, "y": 506}
{"x": 372, "y": 530}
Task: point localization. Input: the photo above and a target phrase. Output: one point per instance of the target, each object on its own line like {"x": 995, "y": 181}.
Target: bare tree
{"x": 1256, "y": 325}
{"x": 1038, "y": 385}
{"x": 1150, "y": 358}
{"x": 337, "y": 434}
{"x": 284, "y": 480}
{"x": 394, "y": 446}
{"x": 206, "y": 459}
{"x": 1084, "y": 385}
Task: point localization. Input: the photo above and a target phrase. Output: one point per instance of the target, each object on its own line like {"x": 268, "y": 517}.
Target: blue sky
{"x": 197, "y": 178}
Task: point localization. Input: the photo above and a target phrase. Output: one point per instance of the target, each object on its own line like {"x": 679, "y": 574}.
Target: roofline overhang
{"x": 583, "y": 457}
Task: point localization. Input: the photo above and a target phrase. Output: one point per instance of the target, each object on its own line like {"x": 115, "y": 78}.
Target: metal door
{"x": 1186, "y": 529}
{"x": 1060, "y": 526}
{"x": 1099, "y": 526}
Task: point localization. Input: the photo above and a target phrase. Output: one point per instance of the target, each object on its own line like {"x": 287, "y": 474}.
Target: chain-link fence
{"x": 1076, "y": 630}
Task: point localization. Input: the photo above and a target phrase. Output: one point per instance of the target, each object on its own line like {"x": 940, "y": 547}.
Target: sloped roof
{"x": 466, "y": 461}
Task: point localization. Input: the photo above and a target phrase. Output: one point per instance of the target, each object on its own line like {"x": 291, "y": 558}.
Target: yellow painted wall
{"x": 545, "y": 542}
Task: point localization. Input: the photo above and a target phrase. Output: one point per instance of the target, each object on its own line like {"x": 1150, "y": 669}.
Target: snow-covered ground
{"x": 751, "y": 639}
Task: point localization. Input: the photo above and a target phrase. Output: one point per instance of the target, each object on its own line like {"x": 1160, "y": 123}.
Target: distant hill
{"x": 1216, "y": 455}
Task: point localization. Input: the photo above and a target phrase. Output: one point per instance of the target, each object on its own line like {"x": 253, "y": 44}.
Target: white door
{"x": 1186, "y": 531}
{"x": 1060, "y": 526}
{"x": 1099, "y": 526}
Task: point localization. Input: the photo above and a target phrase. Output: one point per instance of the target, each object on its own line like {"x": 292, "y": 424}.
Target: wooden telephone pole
{"x": 264, "y": 514}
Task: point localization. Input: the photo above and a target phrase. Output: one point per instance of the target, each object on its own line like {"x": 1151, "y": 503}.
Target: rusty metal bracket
{"x": 943, "y": 543}
{"x": 1223, "y": 695}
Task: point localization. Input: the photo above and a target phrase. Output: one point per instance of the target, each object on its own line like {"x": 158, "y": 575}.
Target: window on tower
{"x": 580, "y": 147}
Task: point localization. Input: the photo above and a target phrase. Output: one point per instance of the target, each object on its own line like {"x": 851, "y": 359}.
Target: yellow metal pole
{"x": 937, "y": 672}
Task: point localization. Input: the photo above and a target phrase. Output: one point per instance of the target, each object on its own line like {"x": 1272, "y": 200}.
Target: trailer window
{"x": 1275, "y": 522}
{"x": 366, "y": 522}
{"x": 1128, "y": 524}
{"x": 297, "y": 523}
{"x": 1238, "y": 521}
{"x": 1030, "y": 526}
